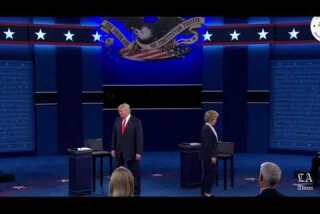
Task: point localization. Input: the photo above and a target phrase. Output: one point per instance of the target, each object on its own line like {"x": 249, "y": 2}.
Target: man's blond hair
{"x": 125, "y": 106}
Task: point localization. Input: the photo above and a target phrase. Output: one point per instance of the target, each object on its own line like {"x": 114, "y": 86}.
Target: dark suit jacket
{"x": 131, "y": 143}
{"x": 208, "y": 143}
{"x": 268, "y": 193}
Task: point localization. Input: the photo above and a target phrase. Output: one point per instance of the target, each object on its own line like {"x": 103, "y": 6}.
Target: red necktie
{"x": 123, "y": 126}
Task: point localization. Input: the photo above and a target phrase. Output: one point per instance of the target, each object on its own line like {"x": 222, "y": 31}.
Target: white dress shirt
{"x": 127, "y": 119}
{"x": 213, "y": 130}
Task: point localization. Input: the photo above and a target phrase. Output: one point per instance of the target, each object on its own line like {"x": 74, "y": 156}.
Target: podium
{"x": 80, "y": 171}
{"x": 190, "y": 165}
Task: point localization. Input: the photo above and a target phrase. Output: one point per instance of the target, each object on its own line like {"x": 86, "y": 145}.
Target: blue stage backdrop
{"x": 164, "y": 126}
{"x": 77, "y": 90}
{"x": 295, "y": 104}
{"x": 16, "y": 106}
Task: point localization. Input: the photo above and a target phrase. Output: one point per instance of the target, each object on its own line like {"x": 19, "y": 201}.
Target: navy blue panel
{"x": 67, "y": 20}
{"x": 186, "y": 70}
{"x": 235, "y": 74}
{"x": 92, "y": 116}
{"x": 304, "y": 51}
{"x": 163, "y": 129}
{"x": 259, "y": 20}
{"x": 213, "y": 21}
{"x": 16, "y": 106}
{"x": 16, "y": 52}
{"x": 290, "y": 19}
{"x": 45, "y": 67}
{"x": 47, "y": 130}
{"x": 258, "y": 127}
{"x": 91, "y": 21}
{"x": 91, "y": 69}
{"x": 258, "y": 67}
{"x": 295, "y": 104}
{"x": 218, "y": 107}
{"x": 43, "y": 20}
{"x": 15, "y": 19}
{"x": 212, "y": 68}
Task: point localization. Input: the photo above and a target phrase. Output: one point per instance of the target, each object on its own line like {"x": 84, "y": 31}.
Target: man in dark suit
{"x": 127, "y": 143}
{"x": 269, "y": 178}
{"x": 209, "y": 141}
{"x": 315, "y": 170}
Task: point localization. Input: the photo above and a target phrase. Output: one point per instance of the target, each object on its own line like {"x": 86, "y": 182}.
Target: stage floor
{"x": 46, "y": 176}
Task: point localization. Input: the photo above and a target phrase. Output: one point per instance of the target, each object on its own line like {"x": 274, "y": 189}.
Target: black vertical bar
{"x": 235, "y": 78}
{"x": 217, "y": 173}
{"x": 232, "y": 172}
{"x": 94, "y": 173}
{"x": 69, "y": 82}
{"x": 101, "y": 171}
{"x": 110, "y": 165}
{"x": 225, "y": 173}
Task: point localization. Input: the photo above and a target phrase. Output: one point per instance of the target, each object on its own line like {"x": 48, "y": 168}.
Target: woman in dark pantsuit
{"x": 209, "y": 141}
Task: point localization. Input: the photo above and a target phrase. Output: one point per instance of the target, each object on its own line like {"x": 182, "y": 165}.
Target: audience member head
{"x": 270, "y": 175}
{"x": 121, "y": 183}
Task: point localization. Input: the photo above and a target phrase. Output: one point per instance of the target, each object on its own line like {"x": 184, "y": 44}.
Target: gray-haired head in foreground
{"x": 271, "y": 173}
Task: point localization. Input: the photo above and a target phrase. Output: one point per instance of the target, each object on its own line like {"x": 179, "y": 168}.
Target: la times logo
{"x": 304, "y": 181}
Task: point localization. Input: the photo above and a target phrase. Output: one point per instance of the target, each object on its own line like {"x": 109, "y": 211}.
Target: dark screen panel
{"x": 153, "y": 96}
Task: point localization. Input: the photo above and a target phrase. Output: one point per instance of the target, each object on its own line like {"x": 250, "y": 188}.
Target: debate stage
{"x": 47, "y": 176}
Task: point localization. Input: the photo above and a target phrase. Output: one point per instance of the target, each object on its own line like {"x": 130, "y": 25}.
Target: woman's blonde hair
{"x": 210, "y": 115}
{"x": 121, "y": 183}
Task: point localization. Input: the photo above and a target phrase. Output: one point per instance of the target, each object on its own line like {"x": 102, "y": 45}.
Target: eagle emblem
{"x": 154, "y": 40}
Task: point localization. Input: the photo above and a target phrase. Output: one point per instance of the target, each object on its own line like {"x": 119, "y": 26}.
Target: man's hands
{"x": 138, "y": 156}
{"x": 113, "y": 154}
{"x": 213, "y": 160}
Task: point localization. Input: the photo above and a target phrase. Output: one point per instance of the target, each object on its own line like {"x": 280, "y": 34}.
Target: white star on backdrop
{"x": 234, "y": 35}
{"x": 9, "y": 34}
{"x": 207, "y": 36}
{"x": 96, "y": 36}
{"x": 69, "y": 36}
{"x": 293, "y": 34}
{"x": 40, "y": 34}
{"x": 263, "y": 34}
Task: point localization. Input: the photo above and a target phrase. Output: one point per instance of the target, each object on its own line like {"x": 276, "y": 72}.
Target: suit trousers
{"x": 209, "y": 175}
{"x": 134, "y": 167}
{"x": 315, "y": 170}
